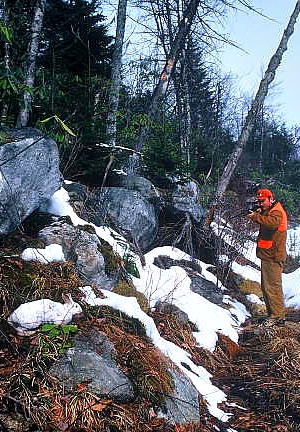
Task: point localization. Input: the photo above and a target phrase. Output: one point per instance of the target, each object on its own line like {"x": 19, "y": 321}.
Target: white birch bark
{"x": 36, "y": 28}
{"x": 184, "y": 112}
{"x": 111, "y": 129}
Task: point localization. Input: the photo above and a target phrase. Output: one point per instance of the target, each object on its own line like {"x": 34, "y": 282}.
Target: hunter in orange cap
{"x": 271, "y": 249}
{"x": 262, "y": 194}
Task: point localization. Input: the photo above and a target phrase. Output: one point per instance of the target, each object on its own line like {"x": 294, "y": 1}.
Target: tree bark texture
{"x": 36, "y": 28}
{"x": 252, "y": 114}
{"x": 111, "y": 130}
{"x": 7, "y": 59}
{"x": 183, "y": 109}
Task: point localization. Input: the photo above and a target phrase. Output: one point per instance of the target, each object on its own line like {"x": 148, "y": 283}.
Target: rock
{"x": 92, "y": 360}
{"x": 137, "y": 183}
{"x": 165, "y": 262}
{"x": 76, "y": 191}
{"x": 182, "y": 406}
{"x": 199, "y": 284}
{"x": 185, "y": 199}
{"x": 127, "y": 210}
{"x": 29, "y": 175}
{"x": 206, "y": 288}
{"x": 81, "y": 247}
{"x": 168, "y": 308}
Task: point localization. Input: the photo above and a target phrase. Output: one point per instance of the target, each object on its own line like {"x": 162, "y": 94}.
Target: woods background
{"x": 155, "y": 91}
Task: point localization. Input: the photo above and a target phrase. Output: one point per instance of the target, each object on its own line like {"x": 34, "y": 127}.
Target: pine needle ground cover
{"x": 265, "y": 379}
{"x": 32, "y": 399}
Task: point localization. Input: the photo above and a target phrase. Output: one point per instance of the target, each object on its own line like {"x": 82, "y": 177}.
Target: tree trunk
{"x": 111, "y": 130}
{"x": 162, "y": 85}
{"x": 36, "y": 28}
{"x": 261, "y": 147}
{"x": 7, "y": 59}
{"x": 252, "y": 114}
{"x": 133, "y": 165}
{"x": 183, "y": 110}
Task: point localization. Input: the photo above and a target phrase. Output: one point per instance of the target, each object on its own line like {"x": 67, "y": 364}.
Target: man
{"x": 271, "y": 249}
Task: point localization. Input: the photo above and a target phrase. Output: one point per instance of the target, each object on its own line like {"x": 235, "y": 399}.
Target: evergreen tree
{"x": 271, "y": 142}
{"x": 74, "y": 69}
{"x": 209, "y": 141}
{"x": 75, "y": 39}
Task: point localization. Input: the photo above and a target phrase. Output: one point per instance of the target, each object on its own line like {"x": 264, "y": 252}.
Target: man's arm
{"x": 271, "y": 221}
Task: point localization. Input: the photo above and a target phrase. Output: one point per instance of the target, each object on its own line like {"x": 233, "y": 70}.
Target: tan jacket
{"x": 271, "y": 242}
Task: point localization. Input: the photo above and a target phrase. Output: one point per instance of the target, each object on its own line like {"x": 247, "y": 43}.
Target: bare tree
{"x": 252, "y": 114}
{"x": 183, "y": 105}
{"x": 36, "y": 28}
{"x": 7, "y": 45}
{"x": 172, "y": 57}
{"x": 111, "y": 130}
{"x": 176, "y": 40}
{"x": 173, "y": 19}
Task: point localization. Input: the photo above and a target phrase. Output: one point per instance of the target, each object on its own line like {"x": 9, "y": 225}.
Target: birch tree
{"x": 255, "y": 108}
{"x": 111, "y": 130}
{"x": 173, "y": 21}
{"x": 36, "y": 27}
{"x": 162, "y": 85}
{"x": 184, "y": 110}
{"x": 5, "y": 34}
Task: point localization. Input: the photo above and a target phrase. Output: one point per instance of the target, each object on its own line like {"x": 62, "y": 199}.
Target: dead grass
{"x": 267, "y": 377}
{"x": 147, "y": 367}
{"x": 180, "y": 333}
{"x": 28, "y": 388}
{"x": 21, "y": 282}
{"x": 251, "y": 287}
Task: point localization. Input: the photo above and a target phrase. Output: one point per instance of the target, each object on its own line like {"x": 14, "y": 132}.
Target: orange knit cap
{"x": 262, "y": 194}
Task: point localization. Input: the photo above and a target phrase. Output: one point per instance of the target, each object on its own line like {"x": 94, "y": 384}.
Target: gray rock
{"x": 199, "y": 284}
{"x": 137, "y": 183}
{"x": 168, "y": 308}
{"x": 165, "y": 262}
{"x": 206, "y": 288}
{"x": 185, "y": 198}
{"x": 127, "y": 210}
{"x": 92, "y": 360}
{"x": 82, "y": 248}
{"x": 76, "y": 191}
{"x": 182, "y": 405}
{"x": 29, "y": 176}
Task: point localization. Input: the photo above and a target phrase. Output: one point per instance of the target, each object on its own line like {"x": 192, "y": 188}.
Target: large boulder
{"x": 92, "y": 359}
{"x": 77, "y": 191}
{"x": 125, "y": 209}
{"x": 137, "y": 183}
{"x": 182, "y": 405}
{"x": 29, "y": 175}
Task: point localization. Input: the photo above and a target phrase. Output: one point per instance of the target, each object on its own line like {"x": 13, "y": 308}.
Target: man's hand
{"x": 251, "y": 213}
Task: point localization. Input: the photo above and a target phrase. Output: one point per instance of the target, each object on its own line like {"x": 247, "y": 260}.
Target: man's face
{"x": 265, "y": 203}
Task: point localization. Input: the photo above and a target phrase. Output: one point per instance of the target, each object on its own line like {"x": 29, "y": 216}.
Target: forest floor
{"x": 263, "y": 378}
{"x": 260, "y": 375}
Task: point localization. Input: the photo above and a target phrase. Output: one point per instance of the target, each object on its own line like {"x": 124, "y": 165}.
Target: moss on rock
{"x": 127, "y": 289}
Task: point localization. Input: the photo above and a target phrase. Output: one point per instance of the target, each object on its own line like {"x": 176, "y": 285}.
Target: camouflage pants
{"x": 271, "y": 285}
